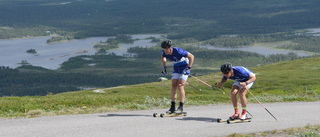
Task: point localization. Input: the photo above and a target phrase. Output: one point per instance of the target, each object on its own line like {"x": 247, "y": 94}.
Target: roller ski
{"x": 239, "y": 120}
{"x": 235, "y": 119}
{"x": 172, "y": 113}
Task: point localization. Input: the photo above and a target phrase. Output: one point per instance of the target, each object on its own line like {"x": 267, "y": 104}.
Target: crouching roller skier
{"x": 182, "y": 63}
{"x": 244, "y": 79}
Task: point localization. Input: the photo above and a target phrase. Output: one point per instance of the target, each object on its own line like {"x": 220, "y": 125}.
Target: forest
{"x": 202, "y": 20}
{"x": 233, "y": 23}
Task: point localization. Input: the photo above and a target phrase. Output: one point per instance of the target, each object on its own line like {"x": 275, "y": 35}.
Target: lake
{"x": 13, "y": 51}
{"x": 264, "y": 50}
{"x": 50, "y": 56}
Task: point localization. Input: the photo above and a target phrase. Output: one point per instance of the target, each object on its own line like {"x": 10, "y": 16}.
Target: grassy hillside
{"x": 286, "y": 81}
{"x": 307, "y": 131}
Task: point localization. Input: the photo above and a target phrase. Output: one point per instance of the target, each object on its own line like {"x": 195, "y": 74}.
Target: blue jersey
{"x": 241, "y": 74}
{"x": 179, "y": 59}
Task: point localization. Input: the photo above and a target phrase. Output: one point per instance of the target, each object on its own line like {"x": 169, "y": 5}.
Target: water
{"x": 50, "y": 56}
{"x": 142, "y": 43}
{"x": 315, "y": 31}
{"x": 13, "y": 51}
{"x": 263, "y": 50}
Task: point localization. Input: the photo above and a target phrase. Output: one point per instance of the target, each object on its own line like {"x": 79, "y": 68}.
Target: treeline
{"x": 15, "y": 82}
{"x": 109, "y": 63}
{"x": 112, "y": 43}
{"x": 203, "y": 53}
{"x": 59, "y": 39}
{"x": 308, "y": 43}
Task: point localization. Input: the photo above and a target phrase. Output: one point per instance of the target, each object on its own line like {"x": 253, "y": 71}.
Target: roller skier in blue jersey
{"x": 244, "y": 79}
{"x": 182, "y": 63}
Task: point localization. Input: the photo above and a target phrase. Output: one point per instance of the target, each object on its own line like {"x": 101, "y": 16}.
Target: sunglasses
{"x": 225, "y": 73}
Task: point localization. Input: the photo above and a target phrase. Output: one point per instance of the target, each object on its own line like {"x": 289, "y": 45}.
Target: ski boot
{"x": 234, "y": 117}
{"x": 243, "y": 117}
{"x": 179, "y": 110}
{"x": 171, "y": 110}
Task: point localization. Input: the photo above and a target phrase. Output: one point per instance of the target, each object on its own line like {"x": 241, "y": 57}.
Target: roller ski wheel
{"x": 228, "y": 121}
{"x": 159, "y": 115}
{"x": 219, "y": 120}
{"x": 155, "y": 114}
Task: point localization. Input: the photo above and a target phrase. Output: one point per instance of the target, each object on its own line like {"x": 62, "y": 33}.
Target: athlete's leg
{"x": 173, "y": 95}
{"x": 181, "y": 83}
{"x": 175, "y": 83}
{"x": 181, "y": 89}
{"x": 242, "y": 93}
{"x": 234, "y": 99}
{"x": 243, "y": 98}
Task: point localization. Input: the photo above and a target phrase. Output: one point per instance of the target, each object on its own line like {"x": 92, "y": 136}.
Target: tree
{"x": 32, "y": 51}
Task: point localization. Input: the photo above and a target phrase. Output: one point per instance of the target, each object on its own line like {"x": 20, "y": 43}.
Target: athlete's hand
{"x": 243, "y": 84}
{"x": 187, "y": 72}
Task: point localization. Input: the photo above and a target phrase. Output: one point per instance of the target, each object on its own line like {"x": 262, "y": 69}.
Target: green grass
{"x": 286, "y": 81}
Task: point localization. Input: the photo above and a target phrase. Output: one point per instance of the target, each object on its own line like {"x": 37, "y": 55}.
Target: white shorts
{"x": 237, "y": 83}
{"x": 179, "y": 76}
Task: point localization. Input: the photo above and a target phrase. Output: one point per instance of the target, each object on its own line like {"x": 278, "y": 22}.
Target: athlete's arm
{"x": 164, "y": 61}
{"x": 164, "y": 64}
{"x": 251, "y": 79}
{"x": 191, "y": 59}
{"x": 223, "y": 80}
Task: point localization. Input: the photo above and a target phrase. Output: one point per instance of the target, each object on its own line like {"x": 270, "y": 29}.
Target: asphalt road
{"x": 200, "y": 122}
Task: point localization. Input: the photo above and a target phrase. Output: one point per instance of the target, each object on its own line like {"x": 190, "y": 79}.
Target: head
{"x": 226, "y": 68}
{"x": 167, "y": 47}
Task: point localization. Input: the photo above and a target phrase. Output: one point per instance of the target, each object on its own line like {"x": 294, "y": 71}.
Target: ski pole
{"x": 262, "y": 105}
{"x": 208, "y": 84}
{"x": 218, "y": 90}
{"x": 193, "y": 86}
